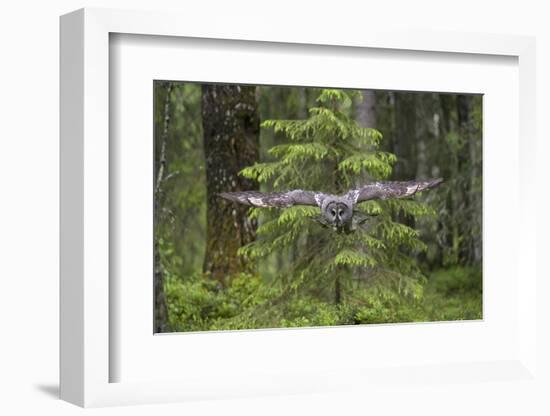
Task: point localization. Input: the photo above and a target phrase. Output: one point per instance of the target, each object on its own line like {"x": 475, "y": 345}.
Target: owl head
{"x": 337, "y": 212}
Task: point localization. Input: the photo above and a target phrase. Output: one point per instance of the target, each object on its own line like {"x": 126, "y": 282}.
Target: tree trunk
{"x": 424, "y": 134}
{"x": 365, "y": 110}
{"x": 337, "y": 290}
{"x": 472, "y": 248}
{"x": 452, "y": 171}
{"x": 231, "y": 127}
{"x": 161, "y": 309}
{"x": 404, "y": 142}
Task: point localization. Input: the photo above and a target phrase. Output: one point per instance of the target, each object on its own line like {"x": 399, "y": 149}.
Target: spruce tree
{"x": 370, "y": 268}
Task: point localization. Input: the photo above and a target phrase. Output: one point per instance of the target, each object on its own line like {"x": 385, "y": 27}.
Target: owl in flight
{"x": 337, "y": 211}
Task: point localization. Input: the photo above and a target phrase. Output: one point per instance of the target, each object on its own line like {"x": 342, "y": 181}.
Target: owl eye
{"x": 340, "y": 212}
{"x": 333, "y": 212}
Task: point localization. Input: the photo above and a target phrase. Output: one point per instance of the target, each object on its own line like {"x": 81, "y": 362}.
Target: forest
{"x": 223, "y": 266}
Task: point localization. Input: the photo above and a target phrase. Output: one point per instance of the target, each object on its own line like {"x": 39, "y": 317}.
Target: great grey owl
{"x": 337, "y": 211}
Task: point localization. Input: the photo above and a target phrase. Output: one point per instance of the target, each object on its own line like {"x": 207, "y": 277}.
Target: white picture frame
{"x": 85, "y": 353}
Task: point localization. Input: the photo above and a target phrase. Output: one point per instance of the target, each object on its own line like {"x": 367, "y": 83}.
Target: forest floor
{"x": 453, "y": 294}
{"x": 196, "y": 304}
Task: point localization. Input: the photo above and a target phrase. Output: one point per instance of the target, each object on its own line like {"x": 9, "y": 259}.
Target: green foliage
{"x": 384, "y": 272}
{"x": 454, "y": 293}
{"x": 457, "y": 280}
{"x": 436, "y": 134}
{"x": 196, "y": 304}
{"x": 331, "y": 152}
{"x": 181, "y": 221}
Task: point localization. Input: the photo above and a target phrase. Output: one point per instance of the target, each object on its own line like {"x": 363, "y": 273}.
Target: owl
{"x": 337, "y": 211}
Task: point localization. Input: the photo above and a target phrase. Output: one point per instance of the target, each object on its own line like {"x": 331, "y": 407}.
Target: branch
{"x": 171, "y": 175}
{"x": 164, "y": 138}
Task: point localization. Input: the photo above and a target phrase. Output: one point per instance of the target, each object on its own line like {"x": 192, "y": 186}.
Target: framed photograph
{"x": 280, "y": 213}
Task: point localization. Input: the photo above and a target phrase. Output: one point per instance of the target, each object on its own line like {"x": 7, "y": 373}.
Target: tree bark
{"x": 404, "y": 143}
{"x": 161, "y": 308}
{"x": 366, "y": 109}
{"x": 472, "y": 248}
{"x": 231, "y": 127}
{"x": 337, "y": 290}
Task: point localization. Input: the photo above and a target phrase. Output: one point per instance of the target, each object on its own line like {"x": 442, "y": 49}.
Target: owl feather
{"x": 337, "y": 210}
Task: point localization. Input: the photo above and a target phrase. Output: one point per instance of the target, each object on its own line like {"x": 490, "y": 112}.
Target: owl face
{"x": 338, "y": 213}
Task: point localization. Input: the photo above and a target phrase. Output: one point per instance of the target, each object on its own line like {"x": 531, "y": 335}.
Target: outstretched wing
{"x": 389, "y": 190}
{"x": 275, "y": 199}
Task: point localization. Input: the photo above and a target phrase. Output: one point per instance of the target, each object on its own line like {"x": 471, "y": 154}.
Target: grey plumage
{"x": 273, "y": 199}
{"x": 337, "y": 211}
{"x": 391, "y": 190}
